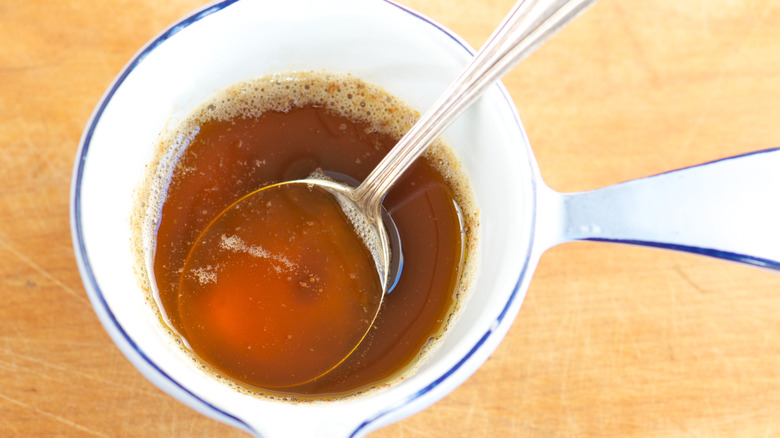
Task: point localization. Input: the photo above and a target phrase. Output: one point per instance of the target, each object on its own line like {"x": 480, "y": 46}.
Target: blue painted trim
{"x": 725, "y": 255}
{"x": 735, "y": 157}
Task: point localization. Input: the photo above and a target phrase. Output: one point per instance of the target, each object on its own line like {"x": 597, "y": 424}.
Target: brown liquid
{"x": 278, "y": 289}
{"x": 231, "y": 157}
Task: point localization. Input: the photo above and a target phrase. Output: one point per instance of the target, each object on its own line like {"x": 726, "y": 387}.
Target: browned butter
{"x": 245, "y": 322}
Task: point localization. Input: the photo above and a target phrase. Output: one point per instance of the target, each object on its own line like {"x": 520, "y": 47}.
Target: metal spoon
{"x": 529, "y": 24}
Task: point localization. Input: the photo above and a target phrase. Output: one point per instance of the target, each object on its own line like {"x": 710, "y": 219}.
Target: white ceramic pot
{"x": 415, "y": 59}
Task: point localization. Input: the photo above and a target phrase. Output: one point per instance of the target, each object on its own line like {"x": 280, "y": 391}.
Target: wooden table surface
{"x": 611, "y": 341}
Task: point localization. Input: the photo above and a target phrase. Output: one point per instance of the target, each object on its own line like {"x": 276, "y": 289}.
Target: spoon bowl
{"x": 283, "y": 245}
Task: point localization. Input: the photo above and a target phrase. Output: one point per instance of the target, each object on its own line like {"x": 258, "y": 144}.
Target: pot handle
{"x": 729, "y": 209}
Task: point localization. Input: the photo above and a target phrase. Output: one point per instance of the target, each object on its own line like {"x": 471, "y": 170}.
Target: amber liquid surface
{"x": 228, "y": 159}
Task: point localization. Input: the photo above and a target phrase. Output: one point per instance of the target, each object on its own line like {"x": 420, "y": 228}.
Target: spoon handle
{"x": 528, "y": 25}
{"x": 729, "y": 209}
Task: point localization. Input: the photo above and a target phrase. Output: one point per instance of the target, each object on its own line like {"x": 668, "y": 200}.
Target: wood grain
{"x": 612, "y": 341}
